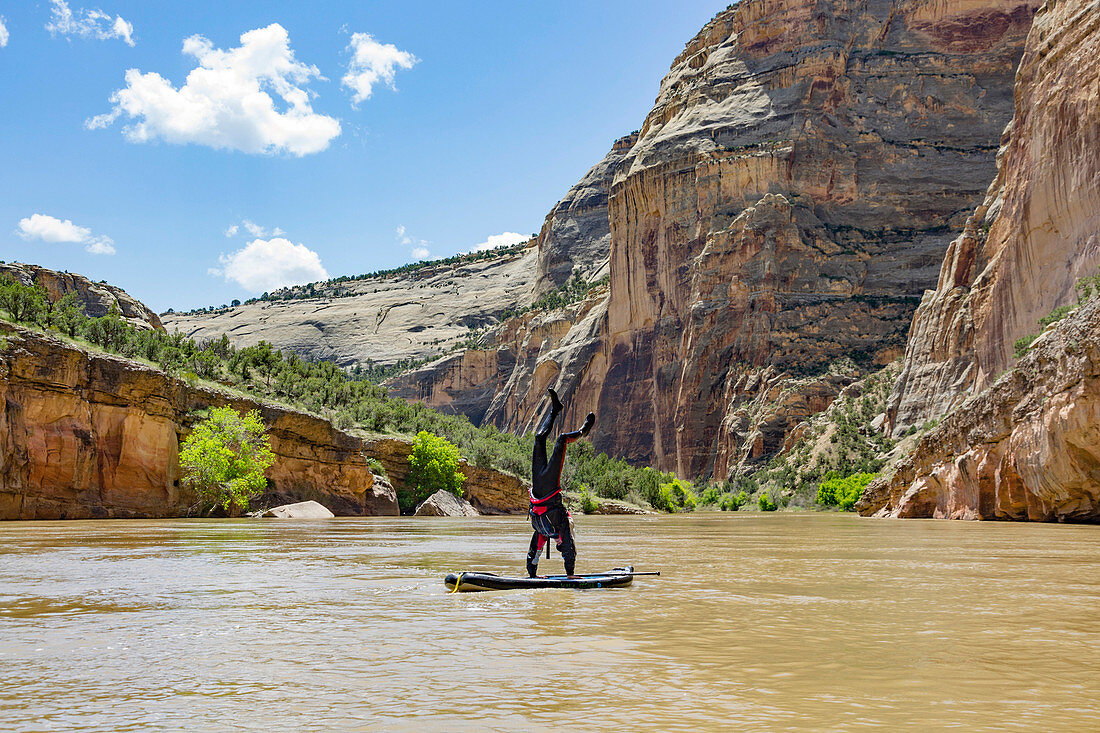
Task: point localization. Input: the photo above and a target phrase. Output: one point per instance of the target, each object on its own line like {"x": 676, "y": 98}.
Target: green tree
{"x": 24, "y": 304}
{"x": 224, "y": 458}
{"x": 844, "y": 491}
{"x": 433, "y": 466}
{"x": 66, "y": 315}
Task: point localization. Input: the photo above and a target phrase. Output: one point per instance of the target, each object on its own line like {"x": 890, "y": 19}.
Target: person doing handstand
{"x": 549, "y": 517}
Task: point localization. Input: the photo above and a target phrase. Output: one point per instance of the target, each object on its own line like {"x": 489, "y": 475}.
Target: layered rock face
{"x": 1036, "y": 233}
{"x": 1027, "y": 448}
{"x": 85, "y": 435}
{"x": 95, "y": 299}
{"x": 412, "y": 315}
{"x": 788, "y": 200}
{"x": 576, "y": 236}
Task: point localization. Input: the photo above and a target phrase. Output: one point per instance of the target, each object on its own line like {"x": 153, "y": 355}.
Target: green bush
{"x": 710, "y": 496}
{"x": 433, "y": 466}
{"x": 732, "y": 502}
{"x": 843, "y": 492}
{"x": 224, "y": 459}
{"x": 589, "y": 503}
{"x": 376, "y": 467}
{"x": 766, "y": 504}
{"x": 675, "y": 496}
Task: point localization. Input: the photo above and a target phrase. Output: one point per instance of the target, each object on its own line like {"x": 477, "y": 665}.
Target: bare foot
{"x": 555, "y": 403}
{"x": 588, "y": 423}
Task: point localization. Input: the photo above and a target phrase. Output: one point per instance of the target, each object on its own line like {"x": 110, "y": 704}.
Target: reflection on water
{"x": 759, "y": 622}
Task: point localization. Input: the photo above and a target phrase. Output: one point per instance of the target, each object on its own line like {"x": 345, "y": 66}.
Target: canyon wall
{"x": 576, "y": 236}
{"x": 94, "y": 299}
{"x": 788, "y": 200}
{"x": 1028, "y": 446}
{"x": 1035, "y": 234}
{"x": 89, "y": 435}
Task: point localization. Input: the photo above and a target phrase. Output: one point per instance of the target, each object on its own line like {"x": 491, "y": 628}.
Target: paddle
{"x": 602, "y": 575}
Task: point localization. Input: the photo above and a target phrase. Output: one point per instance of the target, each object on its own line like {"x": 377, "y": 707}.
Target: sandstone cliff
{"x": 1026, "y": 447}
{"x": 410, "y": 315}
{"x": 95, "y": 299}
{"x": 576, "y": 236}
{"x": 1037, "y": 231}
{"x": 85, "y": 435}
{"x": 787, "y": 201}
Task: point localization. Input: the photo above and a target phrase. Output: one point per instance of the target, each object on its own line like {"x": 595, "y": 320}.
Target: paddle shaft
{"x": 600, "y": 575}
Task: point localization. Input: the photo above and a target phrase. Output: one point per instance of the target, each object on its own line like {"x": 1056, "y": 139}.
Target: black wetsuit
{"x": 550, "y": 515}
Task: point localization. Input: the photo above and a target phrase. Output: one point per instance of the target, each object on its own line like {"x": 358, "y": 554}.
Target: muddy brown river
{"x": 759, "y": 622}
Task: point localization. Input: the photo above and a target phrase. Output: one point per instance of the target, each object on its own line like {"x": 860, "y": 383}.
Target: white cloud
{"x": 265, "y": 265}
{"x": 254, "y": 230}
{"x": 373, "y": 62}
{"x": 420, "y": 249}
{"x": 504, "y": 239}
{"x": 51, "y": 229}
{"x": 87, "y": 24}
{"x": 3, "y": 33}
{"x": 225, "y": 102}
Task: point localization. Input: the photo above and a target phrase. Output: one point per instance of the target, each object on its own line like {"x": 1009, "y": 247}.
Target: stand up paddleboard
{"x": 473, "y": 582}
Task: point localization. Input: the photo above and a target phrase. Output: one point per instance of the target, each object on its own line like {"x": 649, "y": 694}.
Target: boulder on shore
{"x": 301, "y": 510}
{"x": 611, "y": 506}
{"x": 445, "y": 504}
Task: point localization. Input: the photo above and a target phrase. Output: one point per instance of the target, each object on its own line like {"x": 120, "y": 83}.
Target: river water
{"x": 758, "y": 622}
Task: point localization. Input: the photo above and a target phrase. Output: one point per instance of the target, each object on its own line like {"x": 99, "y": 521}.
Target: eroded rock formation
{"x": 95, "y": 299}
{"x": 1036, "y": 233}
{"x": 1026, "y": 447}
{"x": 86, "y": 435}
{"x": 410, "y": 315}
{"x": 787, "y": 201}
{"x": 576, "y": 236}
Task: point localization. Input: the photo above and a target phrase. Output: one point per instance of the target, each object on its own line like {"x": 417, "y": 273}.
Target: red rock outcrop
{"x": 95, "y": 299}
{"x": 85, "y": 435}
{"x": 1036, "y": 233}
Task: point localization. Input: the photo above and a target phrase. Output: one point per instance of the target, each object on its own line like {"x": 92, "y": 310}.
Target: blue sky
{"x": 498, "y": 108}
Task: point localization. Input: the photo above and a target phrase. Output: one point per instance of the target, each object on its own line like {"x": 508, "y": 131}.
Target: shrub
{"x": 766, "y": 504}
{"x": 589, "y": 503}
{"x": 843, "y": 492}
{"x": 224, "y": 458}
{"x": 732, "y": 502}
{"x": 433, "y": 466}
{"x": 376, "y": 467}
{"x": 710, "y": 496}
{"x": 675, "y": 496}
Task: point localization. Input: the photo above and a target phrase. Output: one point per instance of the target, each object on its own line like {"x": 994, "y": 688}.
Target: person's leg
{"x": 534, "y": 551}
{"x": 538, "y": 458}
